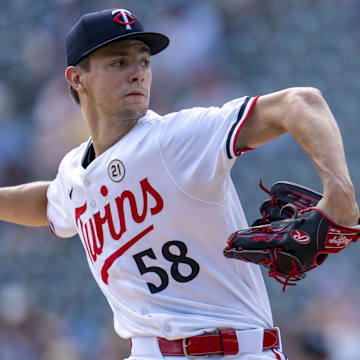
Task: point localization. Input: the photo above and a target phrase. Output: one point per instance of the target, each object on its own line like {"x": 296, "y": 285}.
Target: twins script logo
{"x": 123, "y": 17}
{"x": 92, "y": 231}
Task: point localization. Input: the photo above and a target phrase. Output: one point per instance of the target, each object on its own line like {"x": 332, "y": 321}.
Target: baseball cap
{"x": 97, "y": 29}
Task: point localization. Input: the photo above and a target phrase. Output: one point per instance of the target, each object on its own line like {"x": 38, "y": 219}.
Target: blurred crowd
{"x": 50, "y": 307}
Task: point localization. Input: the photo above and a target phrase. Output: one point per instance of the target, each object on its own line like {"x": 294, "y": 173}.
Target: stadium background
{"x": 50, "y": 307}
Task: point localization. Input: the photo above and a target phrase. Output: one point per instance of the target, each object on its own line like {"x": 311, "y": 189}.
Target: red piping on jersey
{"x": 53, "y": 231}
{"x": 238, "y": 153}
{"x": 278, "y": 357}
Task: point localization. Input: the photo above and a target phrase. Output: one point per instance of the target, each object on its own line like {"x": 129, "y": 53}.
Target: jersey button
{"x": 144, "y": 311}
{"x": 167, "y": 328}
{"x": 93, "y": 203}
{"x": 86, "y": 182}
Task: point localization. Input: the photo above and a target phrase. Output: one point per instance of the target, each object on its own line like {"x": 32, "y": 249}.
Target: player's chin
{"x": 134, "y": 111}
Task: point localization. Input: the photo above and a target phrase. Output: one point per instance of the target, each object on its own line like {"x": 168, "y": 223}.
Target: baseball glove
{"x": 291, "y": 238}
{"x": 281, "y": 194}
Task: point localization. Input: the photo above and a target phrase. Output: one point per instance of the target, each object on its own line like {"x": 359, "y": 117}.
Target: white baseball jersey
{"x": 153, "y": 213}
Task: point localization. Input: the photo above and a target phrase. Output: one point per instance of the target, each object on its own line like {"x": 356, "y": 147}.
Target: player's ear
{"x": 73, "y": 77}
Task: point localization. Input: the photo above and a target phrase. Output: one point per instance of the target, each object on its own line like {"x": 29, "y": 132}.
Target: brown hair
{"x": 85, "y": 65}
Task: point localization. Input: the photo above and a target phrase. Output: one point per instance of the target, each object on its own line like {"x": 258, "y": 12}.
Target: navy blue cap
{"x": 99, "y": 28}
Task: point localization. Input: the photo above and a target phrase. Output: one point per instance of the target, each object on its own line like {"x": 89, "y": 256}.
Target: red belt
{"x": 223, "y": 343}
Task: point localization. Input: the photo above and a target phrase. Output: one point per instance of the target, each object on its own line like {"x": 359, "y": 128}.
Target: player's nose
{"x": 137, "y": 74}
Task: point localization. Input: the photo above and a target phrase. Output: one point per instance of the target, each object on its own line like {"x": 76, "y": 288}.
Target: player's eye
{"x": 145, "y": 63}
{"x": 119, "y": 63}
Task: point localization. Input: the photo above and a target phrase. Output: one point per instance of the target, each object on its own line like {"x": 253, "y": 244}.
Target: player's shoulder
{"x": 183, "y": 114}
{"x": 196, "y": 111}
{"x": 190, "y": 112}
{"x": 155, "y": 120}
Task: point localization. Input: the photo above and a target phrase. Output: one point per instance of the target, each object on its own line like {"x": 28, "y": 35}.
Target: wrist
{"x": 339, "y": 188}
{"x": 339, "y": 202}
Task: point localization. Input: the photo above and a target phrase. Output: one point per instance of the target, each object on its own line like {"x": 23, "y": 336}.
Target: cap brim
{"x": 157, "y": 42}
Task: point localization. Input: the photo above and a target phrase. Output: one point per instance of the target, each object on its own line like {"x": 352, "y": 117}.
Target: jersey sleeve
{"x": 241, "y": 113}
{"x": 58, "y": 209}
{"x": 198, "y": 145}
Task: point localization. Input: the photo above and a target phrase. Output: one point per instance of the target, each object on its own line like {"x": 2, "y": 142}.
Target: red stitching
{"x": 273, "y": 198}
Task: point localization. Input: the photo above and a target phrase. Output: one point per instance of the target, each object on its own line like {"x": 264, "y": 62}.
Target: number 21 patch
{"x": 116, "y": 170}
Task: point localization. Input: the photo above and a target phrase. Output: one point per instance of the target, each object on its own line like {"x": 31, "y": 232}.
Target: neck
{"x": 105, "y": 131}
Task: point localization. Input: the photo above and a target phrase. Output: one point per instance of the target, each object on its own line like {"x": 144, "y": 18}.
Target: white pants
{"x": 147, "y": 348}
{"x": 265, "y": 355}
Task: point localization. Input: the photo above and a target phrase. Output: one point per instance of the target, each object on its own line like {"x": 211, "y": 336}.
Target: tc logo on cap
{"x": 123, "y": 17}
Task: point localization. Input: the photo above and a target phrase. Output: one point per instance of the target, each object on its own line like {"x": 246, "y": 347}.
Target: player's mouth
{"x": 136, "y": 93}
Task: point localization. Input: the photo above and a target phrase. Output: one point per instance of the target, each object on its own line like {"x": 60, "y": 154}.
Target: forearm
{"x": 309, "y": 120}
{"x": 304, "y": 114}
{"x": 25, "y": 204}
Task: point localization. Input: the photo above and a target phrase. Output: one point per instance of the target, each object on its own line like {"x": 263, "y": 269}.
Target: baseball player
{"x": 152, "y": 201}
